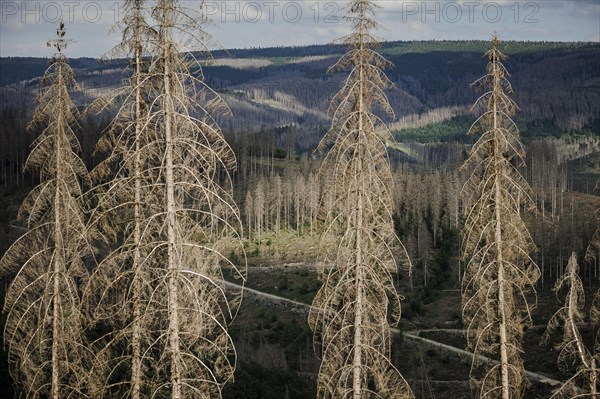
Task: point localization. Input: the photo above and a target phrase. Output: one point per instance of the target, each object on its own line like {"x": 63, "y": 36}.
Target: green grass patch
{"x": 454, "y": 129}
{"x": 481, "y": 46}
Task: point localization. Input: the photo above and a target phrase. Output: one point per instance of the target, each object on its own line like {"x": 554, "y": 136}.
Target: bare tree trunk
{"x": 503, "y": 336}
{"x": 136, "y": 349}
{"x": 358, "y": 318}
{"x": 55, "y": 302}
{"x": 357, "y": 363}
{"x": 57, "y": 253}
{"x": 173, "y": 263}
{"x": 502, "y": 303}
{"x": 593, "y": 380}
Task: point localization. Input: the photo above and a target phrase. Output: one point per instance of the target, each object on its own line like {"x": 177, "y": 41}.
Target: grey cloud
{"x": 557, "y": 20}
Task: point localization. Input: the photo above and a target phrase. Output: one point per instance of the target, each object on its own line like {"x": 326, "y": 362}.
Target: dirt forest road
{"x": 412, "y": 335}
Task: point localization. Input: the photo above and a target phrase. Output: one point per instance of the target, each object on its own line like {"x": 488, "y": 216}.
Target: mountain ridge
{"x": 557, "y": 84}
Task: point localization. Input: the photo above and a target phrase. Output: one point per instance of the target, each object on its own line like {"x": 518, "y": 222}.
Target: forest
{"x": 359, "y": 220}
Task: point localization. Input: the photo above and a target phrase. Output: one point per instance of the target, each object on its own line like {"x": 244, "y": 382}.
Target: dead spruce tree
{"x": 572, "y": 349}
{"x": 349, "y": 316}
{"x": 165, "y": 282}
{"x": 118, "y": 292}
{"x": 495, "y": 241}
{"x": 194, "y": 217}
{"x": 43, "y": 332}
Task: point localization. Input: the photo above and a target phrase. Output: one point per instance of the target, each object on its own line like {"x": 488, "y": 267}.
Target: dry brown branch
{"x": 495, "y": 241}
{"x": 350, "y": 312}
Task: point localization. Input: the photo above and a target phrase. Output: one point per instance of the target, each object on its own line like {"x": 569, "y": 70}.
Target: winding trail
{"x": 531, "y": 374}
{"x": 16, "y": 227}
{"x": 264, "y": 295}
{"x": 412, "y": 335}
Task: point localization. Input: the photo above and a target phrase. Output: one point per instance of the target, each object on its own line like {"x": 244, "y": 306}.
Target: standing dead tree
{"x": 349, "y": 316}
{"x": 43, "y": 324}
{"x": 495, "y": 241}
{"x": 572, "y": 349}
{"x": 193, "y": 217}
{"x": 117, "y": 295}
{"x": 165, "y": 282}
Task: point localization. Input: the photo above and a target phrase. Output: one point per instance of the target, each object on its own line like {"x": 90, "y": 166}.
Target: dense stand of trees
{"x": 287, "y": 202}
{"x": 427, "y": 211}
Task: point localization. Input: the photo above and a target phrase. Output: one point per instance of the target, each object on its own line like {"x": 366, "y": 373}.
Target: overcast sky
{"x": 25, "y": 26}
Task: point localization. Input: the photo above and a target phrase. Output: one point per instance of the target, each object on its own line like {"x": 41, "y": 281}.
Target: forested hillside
{"x": 279, "y": 98}
{"x": 281, "y": 86}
